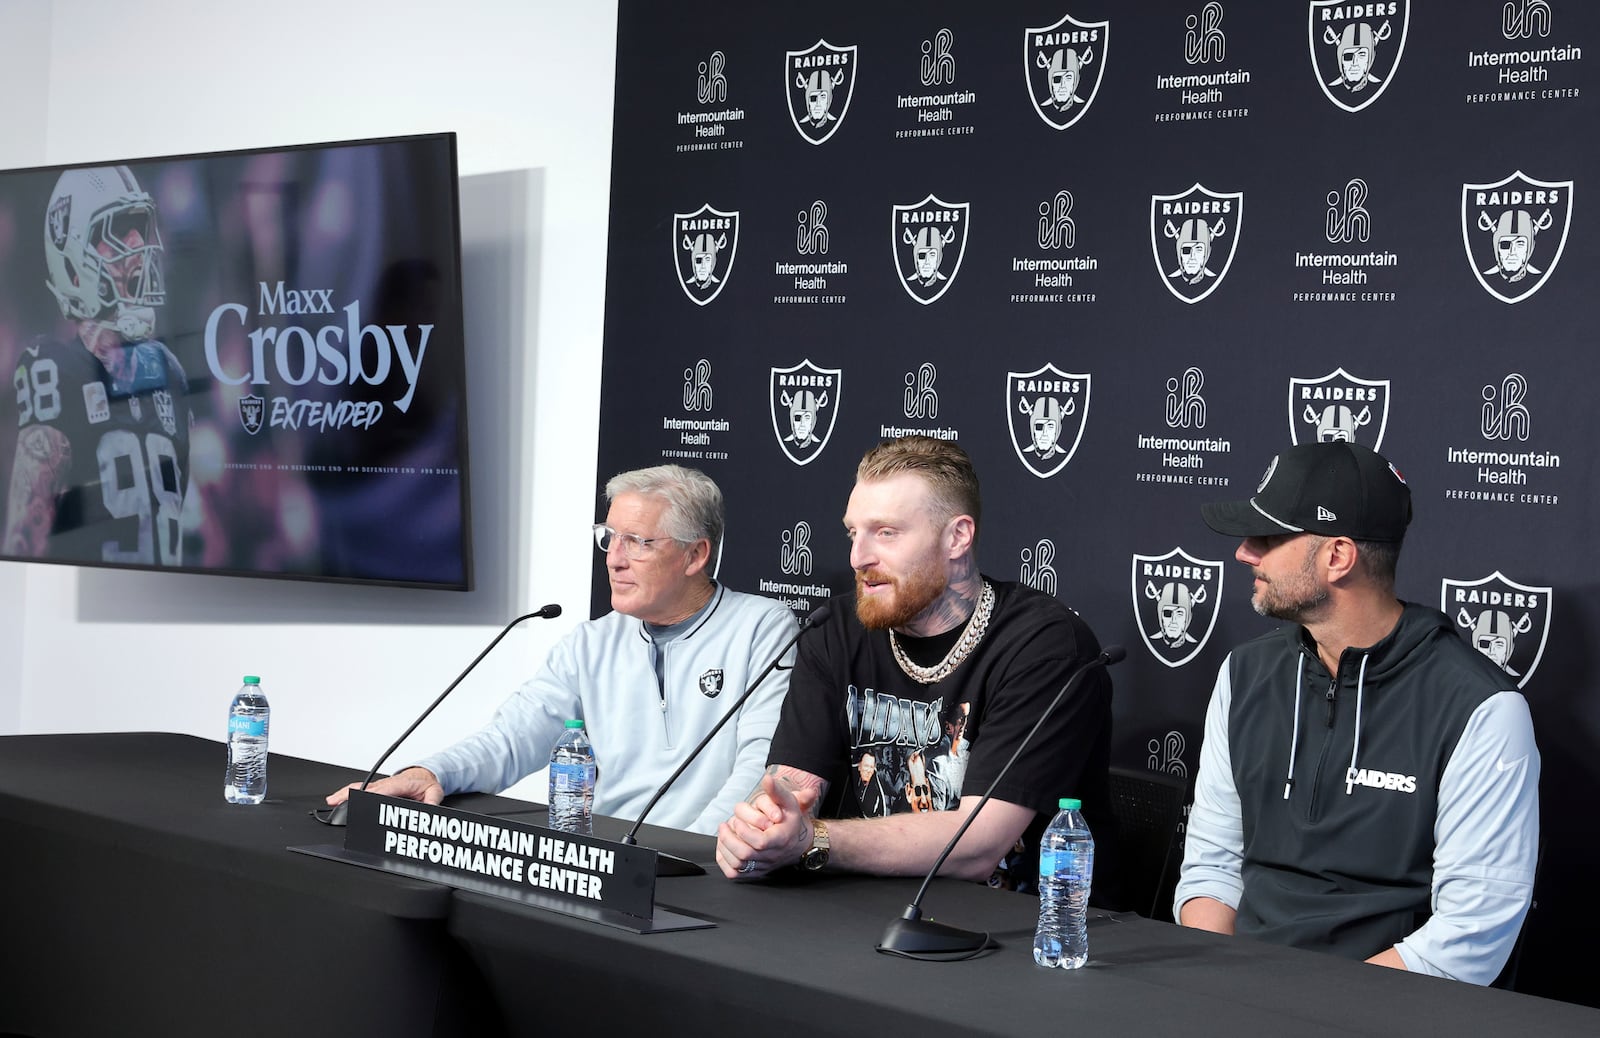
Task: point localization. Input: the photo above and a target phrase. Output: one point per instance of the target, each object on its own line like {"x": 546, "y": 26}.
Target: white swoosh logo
{"x": 1505, "y": 765}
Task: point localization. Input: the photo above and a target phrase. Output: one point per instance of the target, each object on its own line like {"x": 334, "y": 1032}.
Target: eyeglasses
{"x": 633, "y": 546}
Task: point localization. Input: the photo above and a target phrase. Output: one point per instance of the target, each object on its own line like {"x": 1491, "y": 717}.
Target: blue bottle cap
{"x": 1069, "y": 804}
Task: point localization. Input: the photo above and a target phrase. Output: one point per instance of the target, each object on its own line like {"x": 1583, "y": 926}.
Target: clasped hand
{"x": 770, "y": 829}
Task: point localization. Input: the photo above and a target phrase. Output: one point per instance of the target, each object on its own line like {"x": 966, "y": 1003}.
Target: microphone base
{"x": 913, "y": 937}
{"x": 339, "y": 815}
{"x": 672, "y": 865}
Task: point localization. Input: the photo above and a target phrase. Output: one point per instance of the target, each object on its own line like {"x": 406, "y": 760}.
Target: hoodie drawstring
{"x": 1294, "y": 740}
{"x": 1361, "y": 683}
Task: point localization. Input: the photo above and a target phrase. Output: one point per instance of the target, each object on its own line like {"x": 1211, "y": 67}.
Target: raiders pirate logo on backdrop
{"x": 1193, "y": 236}
{"x": 1356, "y": 48}
{"x": 1506, "y": 621}
{"x": 704, "y": 243}
{"x": 1047, "y": 409}
{"x": 1064, "y": 64}
{"x": 1515, "y": 231}
{"x": 1175, "y": 600}
{"x": 804, "y": 401}
{"x": 929, "y": 239}
{"x": 1338, "y": 406}
{"x": 252, "y": 412}
{"x": 820, "y": 81}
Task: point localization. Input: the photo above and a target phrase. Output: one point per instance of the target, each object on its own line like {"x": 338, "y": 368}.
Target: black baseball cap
{"x": 1335, "y": 489}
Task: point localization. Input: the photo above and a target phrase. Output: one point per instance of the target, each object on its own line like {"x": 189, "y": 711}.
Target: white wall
{"x": 527, "y": 86}
{"x": 22, "y": 127}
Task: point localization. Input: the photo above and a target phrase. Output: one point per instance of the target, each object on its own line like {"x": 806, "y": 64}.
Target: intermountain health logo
{"x": 1515, "y": 60}
{"x": 1064, "y": 65}
{"x": 1057, "y": 272}
{"x": 1175, "y": 599}
{"x": 1338, "y": 406}
{"x": 813, "y": 275}
{"x": 921, "y": 397}
{"x": 819, "y": 83}
{"x": 709, "y": 125}
{"x": 794, "y": 555}
{"x": 1047, "y": 409}
{"x": 1166, "y": 754}
{"x": 919, "y": 404}
{"x": 804, "y": 402}
{"x": 1037, "y": 568}
{"x": 1356, "y": 48}
{"x": 1506, "y": 621}
{"x": 936, "y": 107}
{"x": 699, "y": 433}
{"x": 1203, "y": 38}
{"x": 1348, "y": 269}
{"x": 1193, "y": 237}
{"x": 697, "y": 392}
{"x": 929, "y": 240}
{"x": 704, "y": 245}
{"x": 795, "y": 586}
{"x": 1514, "y": 231}
{"x": 1202, "y": 89}
{"x": 1505, "y": 467}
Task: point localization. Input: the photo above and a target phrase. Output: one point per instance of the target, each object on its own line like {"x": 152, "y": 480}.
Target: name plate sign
{"x": 578, "y": 875}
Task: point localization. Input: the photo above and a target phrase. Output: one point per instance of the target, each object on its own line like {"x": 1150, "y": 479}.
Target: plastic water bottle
{"x": 572, "y": 775}
{"x": 248, "y": 719}
{"x": 1066, "y": 866}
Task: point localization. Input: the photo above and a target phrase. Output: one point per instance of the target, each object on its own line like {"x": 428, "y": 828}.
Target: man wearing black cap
{"x": 1368, "y": 784}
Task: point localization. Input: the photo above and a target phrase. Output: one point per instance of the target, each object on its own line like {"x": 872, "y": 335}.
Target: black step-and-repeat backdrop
{"x": 1123, "y": 253}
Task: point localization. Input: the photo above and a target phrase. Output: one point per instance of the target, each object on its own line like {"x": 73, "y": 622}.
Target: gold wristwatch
{"x": 814, "y": 859}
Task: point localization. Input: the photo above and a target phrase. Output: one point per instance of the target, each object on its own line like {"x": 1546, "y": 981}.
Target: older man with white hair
{"x": 646, "y": 678}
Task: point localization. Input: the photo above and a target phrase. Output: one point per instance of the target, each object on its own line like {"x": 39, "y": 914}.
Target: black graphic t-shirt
{"x": 889, "y": 744}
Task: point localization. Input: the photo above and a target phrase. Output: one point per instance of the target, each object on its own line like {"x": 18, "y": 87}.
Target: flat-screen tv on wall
{"x": 246, "y": 363}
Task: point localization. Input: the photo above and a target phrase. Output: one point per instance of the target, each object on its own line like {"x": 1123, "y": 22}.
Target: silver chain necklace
{"x": 977, "y": 625}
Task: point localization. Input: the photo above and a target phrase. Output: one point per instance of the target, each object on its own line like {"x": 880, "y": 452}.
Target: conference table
{"x": 135, "y": 901}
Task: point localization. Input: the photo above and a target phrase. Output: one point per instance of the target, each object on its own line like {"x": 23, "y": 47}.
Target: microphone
{"x": 913, "y": 937}
{"x": 337, "y": 815}
{"x": 669, "y": 864}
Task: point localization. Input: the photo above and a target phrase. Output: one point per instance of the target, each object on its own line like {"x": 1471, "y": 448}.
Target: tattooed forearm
{"x": 38, "y": 473}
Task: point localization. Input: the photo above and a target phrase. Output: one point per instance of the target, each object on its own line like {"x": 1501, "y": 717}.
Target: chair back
{"x": 1148, "y": 808}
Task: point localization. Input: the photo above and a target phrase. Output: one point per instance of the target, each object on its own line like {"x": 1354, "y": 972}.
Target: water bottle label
{"x": 250, "y": 726}
{"x": 571, "y": 778}
{"x": 1047, "y": 861}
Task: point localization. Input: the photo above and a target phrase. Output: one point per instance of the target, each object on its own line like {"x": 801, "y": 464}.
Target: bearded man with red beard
{"x": 929, "y": 640}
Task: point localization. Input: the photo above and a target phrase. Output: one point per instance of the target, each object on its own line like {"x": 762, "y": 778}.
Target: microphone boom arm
{"x": 336, "y": 815}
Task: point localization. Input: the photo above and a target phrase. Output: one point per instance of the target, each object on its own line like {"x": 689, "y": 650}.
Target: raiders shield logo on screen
{"x": 252, "y": 413}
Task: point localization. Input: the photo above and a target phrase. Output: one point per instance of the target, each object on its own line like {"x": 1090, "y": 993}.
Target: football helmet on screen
{"x": 102, "y": 249}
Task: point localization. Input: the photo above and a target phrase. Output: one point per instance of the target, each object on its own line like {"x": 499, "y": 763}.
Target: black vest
{"x": 1345, "y": 863}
